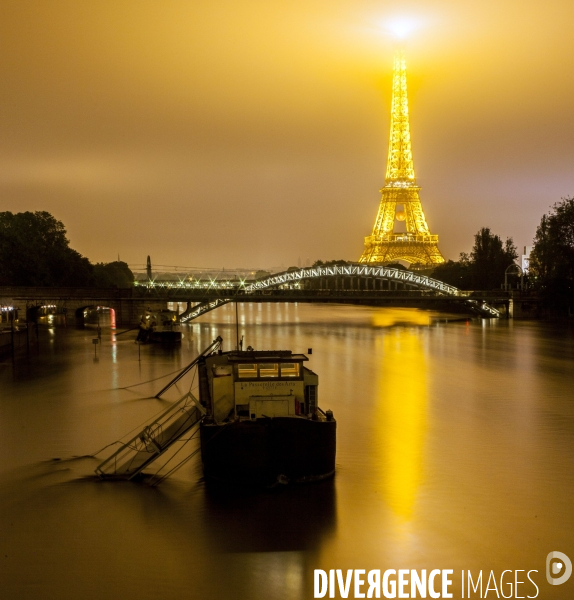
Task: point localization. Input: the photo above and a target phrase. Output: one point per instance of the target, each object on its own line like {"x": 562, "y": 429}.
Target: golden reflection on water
{"x": 389, "y": 317}
{"x": 402, "y": 418}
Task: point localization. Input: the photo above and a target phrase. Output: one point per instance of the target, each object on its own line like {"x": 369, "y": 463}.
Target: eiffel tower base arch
{"x": 414, "y": 249}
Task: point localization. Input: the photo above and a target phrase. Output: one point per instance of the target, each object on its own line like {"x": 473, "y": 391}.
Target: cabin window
{"x": 246, "y": 371}
{"x": 289, "y": 369}
{"x": 269, "y": 370}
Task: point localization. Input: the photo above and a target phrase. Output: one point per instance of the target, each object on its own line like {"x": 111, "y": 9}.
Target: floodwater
{"x": 455, "y": 451}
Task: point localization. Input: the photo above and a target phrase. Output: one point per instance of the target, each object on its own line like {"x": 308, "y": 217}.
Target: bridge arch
{"x": 376, "y": 273}
{"x": 96, "y": 315}
{"x": 409, "y": 278}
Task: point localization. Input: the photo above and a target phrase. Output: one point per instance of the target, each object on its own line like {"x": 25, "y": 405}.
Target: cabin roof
{"x": 270, "y": 356}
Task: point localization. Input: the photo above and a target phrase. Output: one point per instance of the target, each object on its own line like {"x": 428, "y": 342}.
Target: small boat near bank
{"x": 258, "y": 419}
{"x": 160, "y": 326}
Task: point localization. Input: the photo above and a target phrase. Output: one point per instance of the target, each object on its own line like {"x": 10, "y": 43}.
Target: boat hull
{"x": 267, "y": 451}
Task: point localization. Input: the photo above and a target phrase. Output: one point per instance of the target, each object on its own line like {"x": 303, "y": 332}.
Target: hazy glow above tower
{"x": 400, "y": 27}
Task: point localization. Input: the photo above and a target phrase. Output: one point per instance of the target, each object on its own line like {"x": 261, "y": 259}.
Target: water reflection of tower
{"x": 402, "y": 415}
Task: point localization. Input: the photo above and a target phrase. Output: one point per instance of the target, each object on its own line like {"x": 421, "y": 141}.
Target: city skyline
{"x": 252, "y": 135}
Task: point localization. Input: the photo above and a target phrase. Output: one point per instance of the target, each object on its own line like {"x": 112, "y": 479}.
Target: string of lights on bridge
{"x": 193, "y": 284}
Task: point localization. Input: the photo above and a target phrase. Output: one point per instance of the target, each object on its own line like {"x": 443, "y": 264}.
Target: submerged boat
{"x": 258, "y": 416}
{"x": 263, "y": 423}
{"x": 159, "y": 326}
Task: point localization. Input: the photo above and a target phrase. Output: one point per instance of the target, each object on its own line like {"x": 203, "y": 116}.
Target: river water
{"x": 455, "y": 451}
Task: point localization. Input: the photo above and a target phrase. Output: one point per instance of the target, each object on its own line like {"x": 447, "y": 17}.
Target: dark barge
{"x": 263, "y": 424}
{"x": 259, "y": 422}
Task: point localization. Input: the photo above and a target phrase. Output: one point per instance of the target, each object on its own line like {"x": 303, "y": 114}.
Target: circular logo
{"x": 558, "y": 568}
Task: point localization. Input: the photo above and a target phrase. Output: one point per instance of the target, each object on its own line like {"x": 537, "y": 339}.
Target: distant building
{"x": 526, "y": 258}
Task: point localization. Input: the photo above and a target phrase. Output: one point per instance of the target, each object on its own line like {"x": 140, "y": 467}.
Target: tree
{"x": 397, "y": 265}
{"x": 340, "y": 262}
{"x": 541, "y": 256}
{"x": 489, "y": 259}
{"x": 114, "y": 274}
{"x": 484, "y": 268}
{"x": 457, "y": 273}
{"x": 552, "y": 259}
{"x": 34, "y": 251}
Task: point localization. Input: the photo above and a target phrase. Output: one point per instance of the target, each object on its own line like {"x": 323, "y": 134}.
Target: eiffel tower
{"x": 400, "y": 197}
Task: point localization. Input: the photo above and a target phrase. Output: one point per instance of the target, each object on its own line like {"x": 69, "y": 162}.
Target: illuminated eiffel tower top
{"x": 400, "y": 168}
{"x": 392, "y": 240}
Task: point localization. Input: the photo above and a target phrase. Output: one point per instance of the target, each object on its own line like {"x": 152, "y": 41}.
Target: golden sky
{"x": 254, "y": 133}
